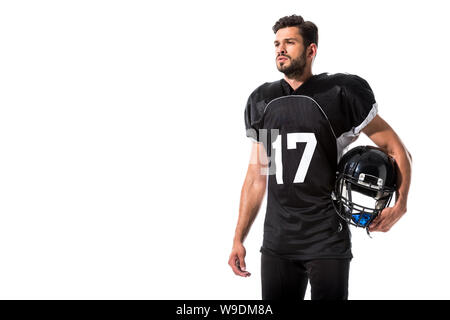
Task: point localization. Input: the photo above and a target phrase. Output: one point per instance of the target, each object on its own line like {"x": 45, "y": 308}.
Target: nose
{"x": 281, "y": 50}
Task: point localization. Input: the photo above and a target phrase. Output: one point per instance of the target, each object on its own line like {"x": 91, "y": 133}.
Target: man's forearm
{"x": 385, "y": 137}
{"x": 398, "y": 151}
{"x": 252, "y": 195}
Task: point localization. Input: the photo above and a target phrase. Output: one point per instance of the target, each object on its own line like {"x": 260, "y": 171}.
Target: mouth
{"x": 281, "y": 59}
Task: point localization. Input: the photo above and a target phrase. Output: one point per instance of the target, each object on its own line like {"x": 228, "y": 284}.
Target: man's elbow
{"x": 260, "y": 182}
{"x": 409, "y": 155}
{"x": 399, "y": 149}
{"x": 256, "y": 176}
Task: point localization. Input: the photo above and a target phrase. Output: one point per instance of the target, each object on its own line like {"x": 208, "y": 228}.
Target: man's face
{"x": 290, "y": 52}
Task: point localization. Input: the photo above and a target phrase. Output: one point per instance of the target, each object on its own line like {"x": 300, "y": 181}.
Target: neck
{"x": 296, "y": 81}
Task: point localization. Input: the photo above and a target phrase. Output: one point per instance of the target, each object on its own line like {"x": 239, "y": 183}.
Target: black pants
{"x": 287, "y": 279}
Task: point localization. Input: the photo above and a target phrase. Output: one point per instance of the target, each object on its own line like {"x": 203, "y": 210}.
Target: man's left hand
{"x": 387, "y": 218}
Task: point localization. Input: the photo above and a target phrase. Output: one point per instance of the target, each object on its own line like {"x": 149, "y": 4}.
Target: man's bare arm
{"x": 385, "y": 137}
{"x": 252, "y": 195}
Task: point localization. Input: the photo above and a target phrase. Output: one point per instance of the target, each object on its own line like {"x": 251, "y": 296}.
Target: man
{"x": 301, "y": 126}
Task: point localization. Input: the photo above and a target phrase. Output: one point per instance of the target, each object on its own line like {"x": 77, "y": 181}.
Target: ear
{"x": 311, "y": 51}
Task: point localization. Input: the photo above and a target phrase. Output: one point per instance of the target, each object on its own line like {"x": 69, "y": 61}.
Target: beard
{"x": 296, "y": 68}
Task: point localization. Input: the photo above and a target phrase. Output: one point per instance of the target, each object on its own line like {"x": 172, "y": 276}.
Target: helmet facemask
{"x": 360, "y": 201}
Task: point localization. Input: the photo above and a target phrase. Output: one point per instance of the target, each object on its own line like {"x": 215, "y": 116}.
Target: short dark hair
{"x": 307, "y": 29}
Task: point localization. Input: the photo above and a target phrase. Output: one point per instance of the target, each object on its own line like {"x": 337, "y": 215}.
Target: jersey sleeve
{"x": 358, "y": 109}
{"x": 359, "y": 105}
{"x": 253, "y": 113}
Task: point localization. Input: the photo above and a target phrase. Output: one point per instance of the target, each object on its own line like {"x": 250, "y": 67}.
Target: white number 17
{"x": 292, "y": 139}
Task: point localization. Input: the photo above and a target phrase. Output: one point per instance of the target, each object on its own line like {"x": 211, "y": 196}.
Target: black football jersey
{"x": 305, "y": 132}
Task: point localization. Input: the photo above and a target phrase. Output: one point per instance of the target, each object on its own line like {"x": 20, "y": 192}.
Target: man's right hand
{"x": 237, "y": 260}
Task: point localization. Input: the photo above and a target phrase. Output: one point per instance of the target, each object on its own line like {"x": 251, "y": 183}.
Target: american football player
{"x": 300, "y": 126}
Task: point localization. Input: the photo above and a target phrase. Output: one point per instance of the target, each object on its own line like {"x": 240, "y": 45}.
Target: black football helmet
{"x": 365, "y": 183}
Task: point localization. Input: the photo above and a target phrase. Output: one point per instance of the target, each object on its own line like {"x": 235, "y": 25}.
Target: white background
{"x": 123, "y": 148}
